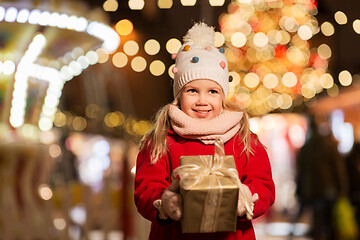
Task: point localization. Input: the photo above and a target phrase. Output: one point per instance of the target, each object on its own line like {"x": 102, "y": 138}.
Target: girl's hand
{"x": 170, "y": 204}
{"x": 246, "y": 202}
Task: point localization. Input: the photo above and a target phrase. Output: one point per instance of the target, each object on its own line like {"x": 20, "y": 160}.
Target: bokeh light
{"x": 136, "y": 4}
{"x": 165, "y": 4}
{"x": 110, "y": 5}
{"x": 345, "y": 78}
{"x": 152, "y": 47}
{"x": 173, "y": 45}
{"x": 131, "y": 48}
{"x": 356, "y": 26}
{"x": 120, "y": 59}
{"x": 340, "y": 17}
{"x": 157, "y": 68}
{"x": 216, "y": 2}
{"x": 188, "y": 2}
{"x": 327, "y": 29}
{"x": 138, "y": 64}
{"x": 124, "y": 27}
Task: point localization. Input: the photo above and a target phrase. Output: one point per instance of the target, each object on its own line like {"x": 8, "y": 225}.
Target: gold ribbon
{"x": 192, "y": 174}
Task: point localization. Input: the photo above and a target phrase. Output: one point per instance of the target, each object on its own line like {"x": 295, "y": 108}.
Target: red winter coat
{"x": 151, "y": 180}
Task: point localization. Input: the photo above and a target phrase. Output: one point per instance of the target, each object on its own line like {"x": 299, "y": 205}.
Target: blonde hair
{"x": 156, "y": 138}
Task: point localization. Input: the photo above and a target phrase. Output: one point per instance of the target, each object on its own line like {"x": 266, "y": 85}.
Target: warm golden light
{"x": 270, "y": 81}
{"x": 289, "y": 79}
{"x": 79, "y": 123}
{"x": 219, "y": 39}
{"x": 102, "y": 56}
{"x": 165, "y": 4}
{"x": 173, "y": 45}
{"x": 238, "y": 39}
{"x": 170, "y": 72}
{"x": 131, "y": 48}
{"x": 285, "y": 37}
{"x": 268, "y": 45}
{"x": 110, "y": 5}
{"x": 324, "y": 51}
{"x": 327, "y": 29}
{"x": 333, "y": 91}
{"x": 308, "y": 91}
{"x": 92, "y": 111}
{"x": 120, "y": 59}
{"x": 54, "y": 150}
{"x": 356, "y": 26}
{"x": 216, "y": 2}
{"x": 291, "y": 25}
{"x": 326, "y": 81}
{"x": 124, "y": 27}
{"x": 285, "y": 101}
{"x": 138, "y": 64}
{"x": 295, "y": 55}
{"x": 60, "y": 119}
{"x": 273, "y": 100}
{"x": 274, "y": 36}
{"x": 152, "y": 47}
{"x": 157, "y": 68}
{"x": 45, "y": 192}
{"x": 251, "y": 80}
{"x": 236, "y": 78}
{"x": 136, "y": 4}
{"x": 340, "y": 17}
{"x": 188, "y": 2}
{"x": 59, "y": 223}
{"x": 305, "y": 32}
{"x": 260, "y": 39}
{"x": 345, "y": 78}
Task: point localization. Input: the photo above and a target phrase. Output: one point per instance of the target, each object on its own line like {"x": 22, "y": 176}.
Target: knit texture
{"x": 199, "y": 59}
{"x": 224, "y": 126}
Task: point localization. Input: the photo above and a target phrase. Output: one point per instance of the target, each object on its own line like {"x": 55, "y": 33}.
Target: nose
{"x": 201, "y": 100}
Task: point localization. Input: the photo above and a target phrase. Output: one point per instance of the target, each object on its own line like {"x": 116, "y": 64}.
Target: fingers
{"x": 174, "y": 186}
{"x": 255, "y": 197}
{"x": 246, "y": 202}
{"x": 172, "y": 204}
{"x": 158, "y": 205}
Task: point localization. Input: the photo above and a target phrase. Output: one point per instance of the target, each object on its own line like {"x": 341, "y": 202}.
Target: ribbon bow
{"x": 192, "y": 174}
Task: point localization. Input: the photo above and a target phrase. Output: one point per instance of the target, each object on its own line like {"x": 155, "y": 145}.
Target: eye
{"x": 213, "y": 91}
{"x": 191, "y": 90}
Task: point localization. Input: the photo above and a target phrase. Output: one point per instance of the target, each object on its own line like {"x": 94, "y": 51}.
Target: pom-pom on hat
{"x": 199, "y": 59}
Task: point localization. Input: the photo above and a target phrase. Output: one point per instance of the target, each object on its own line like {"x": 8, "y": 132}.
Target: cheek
{"x": 218, "y": 103}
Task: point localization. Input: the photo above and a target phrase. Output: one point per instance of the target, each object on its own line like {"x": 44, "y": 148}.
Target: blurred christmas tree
{"x": 270, "y": 55}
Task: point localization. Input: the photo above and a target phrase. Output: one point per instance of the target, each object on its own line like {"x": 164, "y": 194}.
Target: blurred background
{"x": 81, "y": 81}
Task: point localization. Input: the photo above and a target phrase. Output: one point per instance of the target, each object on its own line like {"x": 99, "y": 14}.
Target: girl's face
{"x": 202, "y": 99}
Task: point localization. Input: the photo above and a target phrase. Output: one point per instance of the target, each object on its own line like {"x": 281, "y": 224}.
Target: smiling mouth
{"x": 202, "y": 111}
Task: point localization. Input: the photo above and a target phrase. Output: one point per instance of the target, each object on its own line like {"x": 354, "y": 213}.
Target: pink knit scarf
{"x": 224, "y": 126}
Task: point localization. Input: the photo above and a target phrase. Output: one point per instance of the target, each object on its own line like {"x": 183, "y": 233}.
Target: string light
{"x": 340, "y": 17}
{"x": 55, "y": 78}
{"x": 356, "y": 26}
{"x": 136, "y": 4}
{"x": 165, "y": 4}
{"x": 124, "y": 27}
{"x": 110, "y": 5}
{"x": 138, "y": 64}
{"x": 188, "y": 2}
{"x": 157, "y": 68}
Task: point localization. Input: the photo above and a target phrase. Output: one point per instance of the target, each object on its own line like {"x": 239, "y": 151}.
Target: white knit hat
{"x": 199, "y": 59}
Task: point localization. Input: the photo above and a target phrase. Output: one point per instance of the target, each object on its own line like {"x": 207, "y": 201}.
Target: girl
{"x": 189, "y": 126}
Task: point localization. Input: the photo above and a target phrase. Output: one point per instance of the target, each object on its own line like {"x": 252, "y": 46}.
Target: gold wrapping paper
{"x": 209, "y": 186}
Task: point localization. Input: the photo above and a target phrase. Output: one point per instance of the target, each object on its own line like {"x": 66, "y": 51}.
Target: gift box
{"x": 209, "y": 186}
